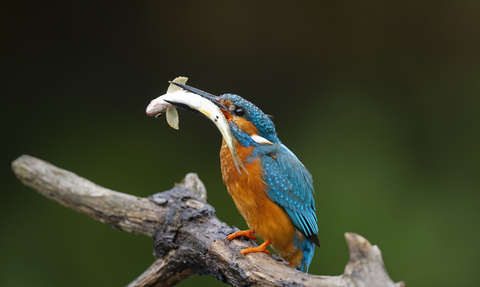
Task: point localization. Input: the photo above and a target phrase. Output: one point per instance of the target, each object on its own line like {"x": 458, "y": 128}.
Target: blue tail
{"x": 308, "y": 251}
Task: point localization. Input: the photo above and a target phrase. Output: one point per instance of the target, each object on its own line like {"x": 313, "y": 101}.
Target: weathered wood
{"x": 188, "y": 237}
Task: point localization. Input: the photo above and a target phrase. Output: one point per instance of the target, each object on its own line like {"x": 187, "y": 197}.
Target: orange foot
{"x": 260, "y": 248}
{"x": 246, "y": 233}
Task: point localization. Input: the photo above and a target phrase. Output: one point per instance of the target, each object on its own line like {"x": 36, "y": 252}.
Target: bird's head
{"x": 249, "y": 125}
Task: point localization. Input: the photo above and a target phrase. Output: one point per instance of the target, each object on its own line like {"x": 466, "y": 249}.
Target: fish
{"x": 178, "y": 97}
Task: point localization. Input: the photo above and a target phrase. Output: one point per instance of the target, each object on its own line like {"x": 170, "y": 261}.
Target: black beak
{"x": 206, "y": 95}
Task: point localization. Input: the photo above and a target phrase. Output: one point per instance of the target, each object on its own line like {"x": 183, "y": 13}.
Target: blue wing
{"x": 290, "y": 185}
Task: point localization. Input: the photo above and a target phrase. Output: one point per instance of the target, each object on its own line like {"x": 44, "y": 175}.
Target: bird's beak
{"x": 212, "y": 98}
{"x": 208, "y": 96}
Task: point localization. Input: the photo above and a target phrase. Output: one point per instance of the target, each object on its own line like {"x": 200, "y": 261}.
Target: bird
{"x": 274, "y": 193}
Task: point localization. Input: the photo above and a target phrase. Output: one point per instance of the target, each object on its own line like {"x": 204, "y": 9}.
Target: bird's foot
{"x": 260, "y": 248}
{"x": 245, "y": 233}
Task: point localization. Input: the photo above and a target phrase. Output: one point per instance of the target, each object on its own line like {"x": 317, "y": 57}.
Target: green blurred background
{"x": 379, "y": 99}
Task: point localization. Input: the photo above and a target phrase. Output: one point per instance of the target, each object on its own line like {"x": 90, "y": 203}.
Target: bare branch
{"x": 188, "y": 237}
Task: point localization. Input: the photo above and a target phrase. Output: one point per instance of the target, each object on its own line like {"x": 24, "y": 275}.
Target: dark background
{"x": 379, "y": 99}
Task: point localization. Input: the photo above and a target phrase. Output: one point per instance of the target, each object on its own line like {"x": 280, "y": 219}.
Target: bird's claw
{"x": 246, "y": 233}
{"x": 254, "y": 249}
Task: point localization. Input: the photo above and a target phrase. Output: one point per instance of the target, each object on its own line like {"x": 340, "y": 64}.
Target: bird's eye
{"x": 239, "y": 112}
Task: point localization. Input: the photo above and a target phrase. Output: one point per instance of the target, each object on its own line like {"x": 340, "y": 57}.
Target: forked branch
{"x": 188, "y": 237}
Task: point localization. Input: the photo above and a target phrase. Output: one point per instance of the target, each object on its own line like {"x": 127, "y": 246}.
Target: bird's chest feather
{"x": 245, "y": 189}
{"x": 248, "y": 192}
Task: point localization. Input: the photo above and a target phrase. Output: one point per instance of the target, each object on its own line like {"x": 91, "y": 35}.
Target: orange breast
{"x": 262, "y": 215}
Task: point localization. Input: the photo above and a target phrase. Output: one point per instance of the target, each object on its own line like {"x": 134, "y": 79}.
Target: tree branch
{"x": 188, "y": 237}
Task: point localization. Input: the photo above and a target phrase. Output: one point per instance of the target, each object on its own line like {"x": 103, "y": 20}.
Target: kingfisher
{"x": 274, "y": 191}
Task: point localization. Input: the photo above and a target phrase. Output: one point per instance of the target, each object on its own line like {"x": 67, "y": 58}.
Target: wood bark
{"x": 188, "y": 238}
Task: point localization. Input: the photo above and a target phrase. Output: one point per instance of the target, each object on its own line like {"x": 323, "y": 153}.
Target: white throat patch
{"x": 261, "y": 140}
